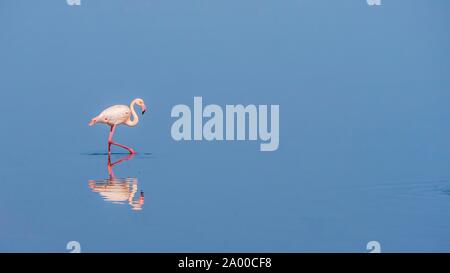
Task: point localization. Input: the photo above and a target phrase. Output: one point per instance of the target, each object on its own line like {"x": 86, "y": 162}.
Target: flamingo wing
{"x": 115, "y": 115}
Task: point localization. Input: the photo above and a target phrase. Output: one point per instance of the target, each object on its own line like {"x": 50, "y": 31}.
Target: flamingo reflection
{"x": 118, "y": 190}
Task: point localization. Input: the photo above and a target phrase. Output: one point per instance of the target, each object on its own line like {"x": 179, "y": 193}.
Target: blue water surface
{"x": 364, "y": 153}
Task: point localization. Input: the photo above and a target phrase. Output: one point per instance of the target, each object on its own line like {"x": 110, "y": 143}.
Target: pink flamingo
{"x": 116, "y": 115}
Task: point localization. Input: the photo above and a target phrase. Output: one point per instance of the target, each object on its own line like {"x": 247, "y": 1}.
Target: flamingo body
{"x": 115, "y": 115}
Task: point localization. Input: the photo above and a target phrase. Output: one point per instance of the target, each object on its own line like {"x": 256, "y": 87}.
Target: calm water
{"x": 174, "y": 202}
{"x": 364, "y": 126}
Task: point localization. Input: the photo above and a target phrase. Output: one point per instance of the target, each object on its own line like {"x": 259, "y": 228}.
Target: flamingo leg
{"x": 110, "y": 168}
{"x": 111, "y": 142}
{"x": 112, "y": 164}
{"x": 111, "y": 133}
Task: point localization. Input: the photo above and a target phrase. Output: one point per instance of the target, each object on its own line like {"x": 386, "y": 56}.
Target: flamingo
{"x": 116, "y": 115}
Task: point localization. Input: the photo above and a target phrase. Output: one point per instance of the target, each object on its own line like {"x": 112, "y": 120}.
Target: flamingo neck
{"x": 135, "y": 120}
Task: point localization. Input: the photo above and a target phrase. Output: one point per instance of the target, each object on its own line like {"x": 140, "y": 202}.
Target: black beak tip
{"x": 143, "y": 112}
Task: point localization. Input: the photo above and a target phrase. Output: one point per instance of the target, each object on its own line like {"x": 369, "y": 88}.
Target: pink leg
{"x": 111, "y": 142}
{"x": 110, "y": 168}
{"x": 112, "y": 164}
{"x": 111, "y": 132}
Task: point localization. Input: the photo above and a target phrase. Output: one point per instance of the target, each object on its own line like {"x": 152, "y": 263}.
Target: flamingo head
{"x": 141, "y": 104}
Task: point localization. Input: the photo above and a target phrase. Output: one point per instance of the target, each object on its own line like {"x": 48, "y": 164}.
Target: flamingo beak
{"x": 144, "y": 108}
